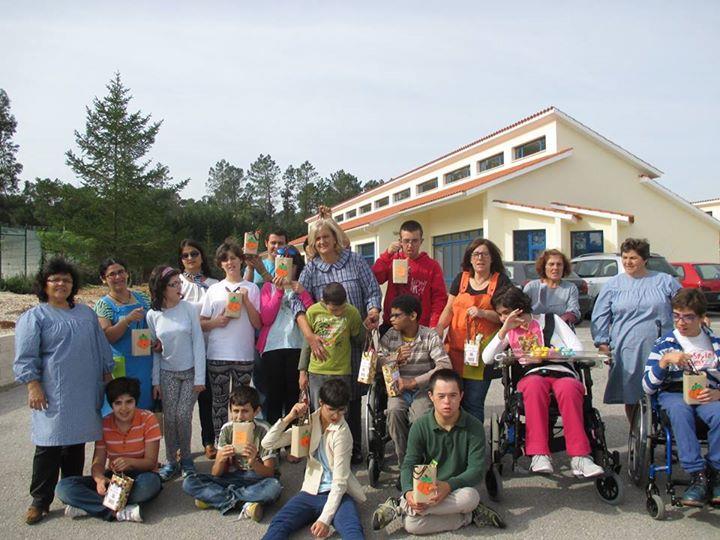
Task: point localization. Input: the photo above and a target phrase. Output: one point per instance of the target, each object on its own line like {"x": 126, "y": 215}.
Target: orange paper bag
{"x": 400, "y": 270}
{"x": 693, "y": 384}
{"x": 233, "y": 308}
{"x": 250, "y": 246}
{"x": 140, "y": 342}
{"x": 424, "y": 478}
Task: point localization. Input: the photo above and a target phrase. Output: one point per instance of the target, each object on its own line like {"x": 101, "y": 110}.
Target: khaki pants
{"x": 399, "y": 417}
{"x": 453, "y": 512}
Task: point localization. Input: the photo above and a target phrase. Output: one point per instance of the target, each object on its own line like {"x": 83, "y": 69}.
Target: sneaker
{"x": 484, "y": 515}
{"x": 168, "y": 471}
{"x": 584, "y": 466}
{"x": 202, "y": 505}
{"x": 696, "y": 493}
{"x": 385, "y": 513}
{"x": 73, "y": 512}
{"x": 542, "y": 464}
{"x": 715, "y": 487}
{"x": 130, "y": 513}
{"x": 188, "y": 467}
{"x": 252, "y": 510}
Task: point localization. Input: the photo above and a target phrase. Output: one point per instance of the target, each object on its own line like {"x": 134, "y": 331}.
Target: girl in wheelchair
{"x": 690, "y": 347}
{"x": 523, "y": 331}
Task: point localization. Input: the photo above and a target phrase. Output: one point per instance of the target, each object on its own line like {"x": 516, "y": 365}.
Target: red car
{"x": 705, "y": 276}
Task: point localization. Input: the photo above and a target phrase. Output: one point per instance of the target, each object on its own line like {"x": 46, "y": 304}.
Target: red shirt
{"x": 144, "y": 429}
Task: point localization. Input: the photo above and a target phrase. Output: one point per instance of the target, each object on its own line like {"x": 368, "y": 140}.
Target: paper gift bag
{"x": 473, "y": 340}
{"x": 284, "y": 268}
{"x": 693, "y": 384}
{"x": 233, "y": 307}
{"x": 368, "y": 363}
{"x": 250, "y": 246}
{"x": 424, "y": 478}
{"x": 243, "y": 433}
{"x": 400, "y": 270}
{"x": 391, "y": 374}
{"x": 140, "y": 342}
{"x": 300, "y": 440}
{"x": 118, "y": 492}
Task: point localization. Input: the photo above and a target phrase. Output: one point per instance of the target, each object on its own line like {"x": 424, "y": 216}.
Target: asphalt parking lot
{"x": 534, "y": 507}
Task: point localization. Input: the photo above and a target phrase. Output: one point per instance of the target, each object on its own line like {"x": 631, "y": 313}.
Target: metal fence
{"x": 20, "y": 252}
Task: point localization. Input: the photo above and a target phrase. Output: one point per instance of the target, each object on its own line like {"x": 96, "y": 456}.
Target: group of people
{"x": 274, "y": 351}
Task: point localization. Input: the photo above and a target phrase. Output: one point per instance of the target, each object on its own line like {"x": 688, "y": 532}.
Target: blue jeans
{"x": 226, "y": 491}
{"x": 304, "y": 509}
{"x": 474, "y": 397}
{"x": 81, "y": 492}
{"x": 682, "y": 419}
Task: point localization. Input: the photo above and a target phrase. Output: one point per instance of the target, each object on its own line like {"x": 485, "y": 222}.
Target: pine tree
{"x": 10, "y": 169}
{"x": 262, "y": 188}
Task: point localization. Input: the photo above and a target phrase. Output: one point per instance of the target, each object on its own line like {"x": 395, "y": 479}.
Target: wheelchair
{"x": 651, "y": 428}
{"x": 375, "y": 427}
{"x": 507, "y": 432}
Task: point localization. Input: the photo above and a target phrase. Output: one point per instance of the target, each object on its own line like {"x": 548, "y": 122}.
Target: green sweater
{"x": 460, "y": 452}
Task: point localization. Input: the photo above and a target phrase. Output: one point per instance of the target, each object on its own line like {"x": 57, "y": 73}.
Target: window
{"x": 448, "y": 251}
{"x": 382, "y": 202}
{"x": 582, "y": 242}
{"x": 339, "y": 218}
{"x": 401, "y": 195}
{"x": 458, "y": 174}
{"x": 426, "y": 186}
{"x": 680, "y": 270}
{"x": 529, "y": 148}
{"x": 350, "y": 214}
{"x": 587, "y": 269}
{"x": 365, "y": 208}
{"x": 706, "y": 271}
{"x": 527, "y": 245}
{"x": 367, "y": 252}
{"x": 491, "y": 162}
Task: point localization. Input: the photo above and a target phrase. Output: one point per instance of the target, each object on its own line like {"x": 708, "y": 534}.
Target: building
{"x": 546, "y": 181}
{"x": 710, "y": 206}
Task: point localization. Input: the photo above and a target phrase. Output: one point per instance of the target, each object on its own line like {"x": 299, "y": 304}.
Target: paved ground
{"x": 536, "y": 507}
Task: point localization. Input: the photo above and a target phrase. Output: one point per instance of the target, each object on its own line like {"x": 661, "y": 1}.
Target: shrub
{"x": 17, "y": 284}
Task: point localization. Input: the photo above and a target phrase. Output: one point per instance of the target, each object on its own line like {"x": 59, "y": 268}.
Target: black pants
{"x": 48, "y": 462}
{"x": 207, "y": 430}
{"x": 353, "y": 420}
{"x": 280, "y": 369}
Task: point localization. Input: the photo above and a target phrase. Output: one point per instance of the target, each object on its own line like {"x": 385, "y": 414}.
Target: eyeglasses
{"x": 687, "y": 318}
{"x": 116, "y": 274}
{"x": 333, "y": 410}
{"x": 59, "y": 280}
{"x": 190, "y": 254}
{"x": 410, "y": 241}
{"x": 175, "y": 284}
{"x": 395, "y": 315}
{"x": 480, "y": 255}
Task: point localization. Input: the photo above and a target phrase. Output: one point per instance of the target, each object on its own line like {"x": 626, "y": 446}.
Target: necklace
{"x": 118, "y": 300}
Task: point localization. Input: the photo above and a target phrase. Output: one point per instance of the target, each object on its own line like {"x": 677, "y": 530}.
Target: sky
{"x": 374, "y": 88}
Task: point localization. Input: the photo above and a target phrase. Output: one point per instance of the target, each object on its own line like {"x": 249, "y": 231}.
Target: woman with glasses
{"x": 469, "y": 313}
{"x": 63, "y": 357}
{"x": 196, "y": 280}
{"x": 120, "y": 312}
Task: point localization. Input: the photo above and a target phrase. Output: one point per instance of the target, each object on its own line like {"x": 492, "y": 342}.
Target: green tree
{"x": 262, "y": 187}
{"x": 10, "y": 169}
{"x": 225, "y": 184}
{"x": 341, "y": 186}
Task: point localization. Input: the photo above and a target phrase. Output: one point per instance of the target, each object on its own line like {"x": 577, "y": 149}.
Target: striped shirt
{"x": 427, "y": 354}
{"x": 657, "y": 378}
{"x": 144, "y": 429}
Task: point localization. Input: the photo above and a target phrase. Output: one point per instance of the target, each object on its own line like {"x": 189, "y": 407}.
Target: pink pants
{"x": 569, "y": 393}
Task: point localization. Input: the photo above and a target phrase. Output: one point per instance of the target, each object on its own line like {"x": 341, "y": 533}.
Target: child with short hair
{"x": 336, "y": 322}
{"x": 130, "y": 445}
{"x": 247, "y": 477}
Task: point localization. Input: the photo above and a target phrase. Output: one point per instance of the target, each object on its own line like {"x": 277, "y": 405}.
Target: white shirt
{"x": 194, "y": 293}
{"x": 236, "y": 341}
{"x": 699, "y": 348}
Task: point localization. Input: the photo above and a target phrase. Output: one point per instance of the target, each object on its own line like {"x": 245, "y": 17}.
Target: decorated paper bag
{"x": 300, "y": 440}
{"x": 118, "y": 492}
{"x": 243, "y": 433}
{"x": 424, "y": 478}
{"x": 472, "y": 343}
{"x": 368, "y": 363}
{"x": 400, "y": 270}
{"x": 250, "y": 247}
{"x": 693, "y": 384}
{"x": 391, "y": 374}
{"x": 140, "y": 342}
{"x": 233, "y": 308}
{"x": 284, "y": 269}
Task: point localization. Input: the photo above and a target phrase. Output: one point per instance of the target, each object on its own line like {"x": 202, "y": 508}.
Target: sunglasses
{"x": 190, "y": 254}
{"x": 287, "y": 251}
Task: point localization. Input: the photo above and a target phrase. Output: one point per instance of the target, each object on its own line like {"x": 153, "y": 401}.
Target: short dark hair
{"x": 639, "y": 245}
{"x": 122, "y": 385}
{"x": 335, "y": 393}
{"x": 158, "y": 282}
{"x": 245, "y": 395}
{"x": 411, "y": 226}
{"x": 56, "y": 265}
{"x": 188, "y": 242}
{"x": 689, "y": 298}
{"x": 543, "y": 259}
{"x": 407, "y": 303}
{"x": 447, "y": 375}
{"x": 512, "y": 298}
{"x": 279, "y": 232}
{"x": 496, "y": 264}
{"x": 227, "y": 247}
{"x": 334, "y": 293}
{"x": 107, "y": 263}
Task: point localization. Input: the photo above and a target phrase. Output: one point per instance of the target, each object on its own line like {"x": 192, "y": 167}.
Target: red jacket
{"x": 425, "y": 280}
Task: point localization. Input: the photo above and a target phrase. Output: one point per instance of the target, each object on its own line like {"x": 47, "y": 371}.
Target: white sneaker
{"x": 584, "y": 466}
{"x": 74, "y": 512}
{"x": 130, "y": 513}
{"x": 541, "y": 464}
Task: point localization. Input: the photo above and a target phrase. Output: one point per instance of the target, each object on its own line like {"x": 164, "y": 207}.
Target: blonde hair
{"x": 341, "y": 239}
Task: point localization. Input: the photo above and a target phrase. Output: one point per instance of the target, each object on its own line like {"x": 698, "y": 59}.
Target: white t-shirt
{"x": 235, "y": 342}
{"x": 699, "y": 348}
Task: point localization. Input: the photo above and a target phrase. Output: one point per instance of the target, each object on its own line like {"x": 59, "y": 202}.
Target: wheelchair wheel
{"x": 610, "y": 488}
{"x": 639, "y": 443}
{"x": 494, "y": 439}
{"x": 655, "y": 506}
{"x": 373, "y": 471}
{"x": 493, "y": 483}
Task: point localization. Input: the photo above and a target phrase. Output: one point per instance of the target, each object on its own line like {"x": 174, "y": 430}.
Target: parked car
{"x": 703, "y": 276}
{"x": 520, "y": 272}
{"x": 598, "y": 268}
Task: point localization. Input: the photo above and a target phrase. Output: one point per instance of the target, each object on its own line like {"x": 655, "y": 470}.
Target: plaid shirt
{"x": 427, "y": 354}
